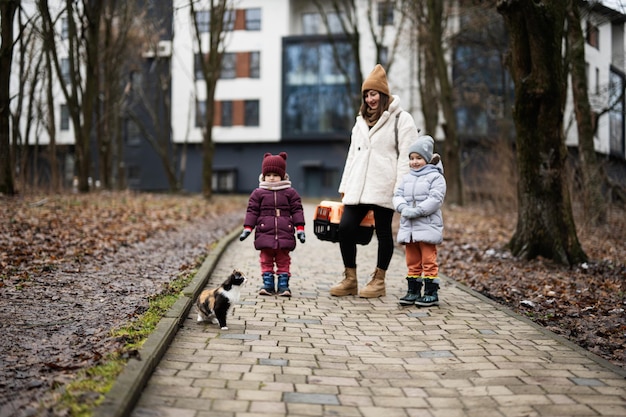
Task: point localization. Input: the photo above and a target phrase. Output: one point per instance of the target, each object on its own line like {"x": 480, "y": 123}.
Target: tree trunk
{"x": 427, "y": 78}
{"x": 211, "y": 67}
{"x": 452, "y": 154}
{"x": 545, "y": 224}
{"x": 208, "y": 146}
{"x": 592, "y": 174}
{"x": 50, "y": 123}
{"x": 7, "y": 13}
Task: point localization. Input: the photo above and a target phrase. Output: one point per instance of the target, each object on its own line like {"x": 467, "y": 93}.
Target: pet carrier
{"x": 326, "y": 223}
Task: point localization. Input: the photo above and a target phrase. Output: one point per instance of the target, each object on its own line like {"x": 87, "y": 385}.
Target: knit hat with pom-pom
{"x": 274, "y": 164}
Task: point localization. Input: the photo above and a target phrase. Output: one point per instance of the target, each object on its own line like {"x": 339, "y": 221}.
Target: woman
{"x": 373, "y": 170}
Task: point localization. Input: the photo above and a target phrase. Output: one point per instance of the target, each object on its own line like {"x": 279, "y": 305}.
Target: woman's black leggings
{"x": 348, "y": 226}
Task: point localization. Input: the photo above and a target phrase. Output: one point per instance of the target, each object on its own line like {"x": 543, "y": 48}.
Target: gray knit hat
{"x": 423, "y": 145}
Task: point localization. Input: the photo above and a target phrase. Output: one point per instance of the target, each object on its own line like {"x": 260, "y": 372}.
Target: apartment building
{"x": 279, "y": 90}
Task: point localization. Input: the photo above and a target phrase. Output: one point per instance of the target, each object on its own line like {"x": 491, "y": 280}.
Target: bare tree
{"x": 125, "y": 30}
{"x": 81, "y": 92}
{"x": 49, "y": 112}
{"x": 426, "y": 77}
{"x": 7, "y": 14}
{"x": 155, "y": 108}
{"x": 211, "y": 51}
{"x": 436, "y": 23}
{"x": 593, "y": 177}
{"x": 545, "y": 224}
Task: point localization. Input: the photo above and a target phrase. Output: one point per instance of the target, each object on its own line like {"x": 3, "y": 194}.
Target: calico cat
{"x": 216, "y": 303}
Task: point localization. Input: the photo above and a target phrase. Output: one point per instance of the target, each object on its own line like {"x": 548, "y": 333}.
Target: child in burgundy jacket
{"x": 275, "y": 212}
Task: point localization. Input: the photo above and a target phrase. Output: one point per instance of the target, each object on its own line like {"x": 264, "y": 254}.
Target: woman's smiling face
{"x": 372, "y": 98}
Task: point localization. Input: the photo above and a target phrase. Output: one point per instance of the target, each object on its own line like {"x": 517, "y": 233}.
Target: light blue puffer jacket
{"x": 425, "y": 189}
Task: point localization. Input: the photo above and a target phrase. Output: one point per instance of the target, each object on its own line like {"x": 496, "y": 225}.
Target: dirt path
{"x": 60, "y": 321}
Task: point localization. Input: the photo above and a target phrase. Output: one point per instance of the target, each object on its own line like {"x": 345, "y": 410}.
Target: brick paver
{"x": 317, "y": 355}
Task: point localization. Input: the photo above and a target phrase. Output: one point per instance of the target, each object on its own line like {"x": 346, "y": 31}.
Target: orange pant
{"x": 421, "y": 259}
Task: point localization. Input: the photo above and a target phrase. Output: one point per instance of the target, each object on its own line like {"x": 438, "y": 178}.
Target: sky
{"x": 619, "y": 5}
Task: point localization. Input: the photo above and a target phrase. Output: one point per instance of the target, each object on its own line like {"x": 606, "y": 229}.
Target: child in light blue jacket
{"x": 418, "y": 199}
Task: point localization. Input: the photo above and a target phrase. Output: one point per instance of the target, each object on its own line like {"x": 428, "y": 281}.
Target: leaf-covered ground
{"x": 585, "y": 303}
{"x": 74, "y": 267}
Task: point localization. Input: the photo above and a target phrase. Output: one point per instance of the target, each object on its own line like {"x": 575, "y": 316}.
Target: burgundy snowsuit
{"x": 274, "y": 215}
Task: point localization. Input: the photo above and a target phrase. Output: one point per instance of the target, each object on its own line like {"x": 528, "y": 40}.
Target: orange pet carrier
{"x": 326, "y": 223}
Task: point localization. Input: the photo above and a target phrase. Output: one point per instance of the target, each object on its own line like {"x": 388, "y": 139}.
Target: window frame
{"x": 251, "y": 116}
{"x": 65, "y": 28}
{"x": 200, "y": 113}
{"x": 65, "y": 70}
{"x": 592, "y": 35}
{"x": 255, "y": 64}
{"x": 64, "y": 118}
{"x": 309, "y": 76}
{"x": 226, "y": 113}
{"x": 385, "y": 11}
{"x": 203, "y": 19}
{"x": 228, "y": 70}
{"x": 253, "y": 23}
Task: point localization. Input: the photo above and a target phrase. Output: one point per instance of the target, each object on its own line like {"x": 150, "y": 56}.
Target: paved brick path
{"x": 316, "y": 355}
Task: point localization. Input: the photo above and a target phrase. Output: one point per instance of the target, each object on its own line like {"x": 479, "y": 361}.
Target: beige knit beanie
{"x": 377, "y": 80}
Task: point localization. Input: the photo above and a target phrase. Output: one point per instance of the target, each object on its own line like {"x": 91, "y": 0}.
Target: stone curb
{"x": 121, "y": 399}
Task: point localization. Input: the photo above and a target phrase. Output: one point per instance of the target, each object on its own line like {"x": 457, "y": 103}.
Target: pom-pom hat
{"x": 274, "y": 164}
{"x": 423, "y": 145}
{"x": 377, "y": 80}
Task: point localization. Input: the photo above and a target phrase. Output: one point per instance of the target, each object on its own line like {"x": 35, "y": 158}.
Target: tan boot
{"x": 376, "y": 287}
{"x": 349, "y": 285}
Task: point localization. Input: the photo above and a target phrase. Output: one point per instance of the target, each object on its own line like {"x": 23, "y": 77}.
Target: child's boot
{"x": 430, "y": 293}
{"x": 268, "y": 287}
{"x": 376, "y": 287}
{"x": 283, "y": 285}
{"x": 414, "y": 292}
{"x": 348, "y": 286}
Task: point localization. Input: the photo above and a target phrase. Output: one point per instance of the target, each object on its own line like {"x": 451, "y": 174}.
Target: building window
{"x": 227, "y": 114}
{"x": 203, "y": 20}
{"x": 229, "y": 66}
{"x": 197, "y": 67}
{"x": 65, "y": 28}
{"x": 255, "y": 64}
{"x": 134, "y": 174}
{"x": 229, "y": 20}
{"x": 253, "y": 19}
{"x": 313, "y": 24}
{"x": 385, "y": 13}
{"x": 316, "y": 97}
{"x": 200, "y": 113}
{"x": 593, "y": 35}
{"x": 65, "y": 117}
{"x": 224, "y": 180}
{"x": 65, "y": 70}
{"x": 251, "y": 113}
{"x": 384, "y": 56}
{"x": 334, "y": 23}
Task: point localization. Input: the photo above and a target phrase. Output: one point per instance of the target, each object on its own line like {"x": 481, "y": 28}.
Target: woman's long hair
{"x": 372, "y": 116}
